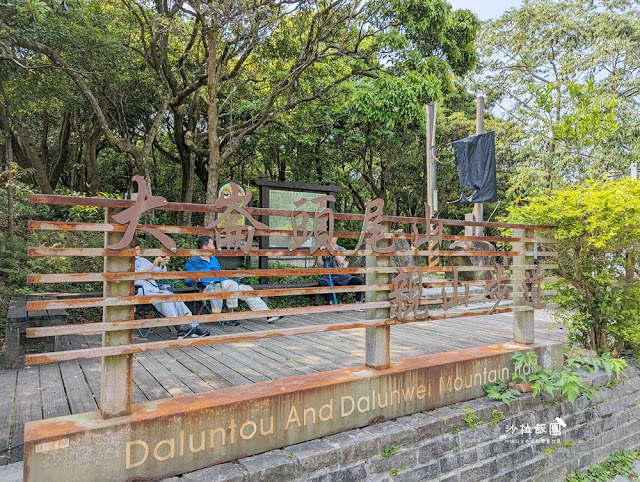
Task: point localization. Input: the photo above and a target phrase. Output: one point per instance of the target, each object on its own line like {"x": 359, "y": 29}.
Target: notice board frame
{"x": 266, "y": 185}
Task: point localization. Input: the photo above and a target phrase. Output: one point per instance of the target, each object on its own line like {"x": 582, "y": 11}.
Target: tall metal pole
{"x": 432, "y": 184}
{"x": 478, "y": 208}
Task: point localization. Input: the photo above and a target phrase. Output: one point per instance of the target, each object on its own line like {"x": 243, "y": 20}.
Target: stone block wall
{"x": 440, "y": 444}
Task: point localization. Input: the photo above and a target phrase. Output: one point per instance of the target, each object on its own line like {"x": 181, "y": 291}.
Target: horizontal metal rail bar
{"x": 101, "y": 252}
{"x": 54, "y": 199}
{"x": 113, "y": 227}
{"x": 221, "y": 295}
{"x": 41, "y": 305}
{"x": 99, "y": 327}
{"x": 56, "y": 357}
{"x": 165, "y": 275}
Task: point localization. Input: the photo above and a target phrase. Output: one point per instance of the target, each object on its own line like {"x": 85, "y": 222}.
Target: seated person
{"x": 210, "y": 263}
{"x": 336, "y": 279}
{"x": 170, "y": 309}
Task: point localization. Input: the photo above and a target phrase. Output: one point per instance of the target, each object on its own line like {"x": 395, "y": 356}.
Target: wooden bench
{"x": 19, "y": 319}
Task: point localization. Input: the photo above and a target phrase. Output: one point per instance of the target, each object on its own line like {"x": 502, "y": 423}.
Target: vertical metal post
{"x": 478, "y": 208}
{"x": 430, "y": 171}
{"x": 264, "y": 241}
{"x": 432, "y": 183}
{"x": 378, "y": 338}
{"x": 117, "y": 371}
{"x": 523, "y": 321}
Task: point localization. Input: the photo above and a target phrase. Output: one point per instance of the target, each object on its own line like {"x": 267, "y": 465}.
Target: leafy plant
{"x": 499, "y": 390}
{"x": 471, "y": 418}
{"x": 393, "y": 472}
{"x": 619, "y": 463}
{"x": 390, "y": 450}
{"x": 561, "y": 383}
{"x": 598, "y": 245}
{"x": 496, "y": 416}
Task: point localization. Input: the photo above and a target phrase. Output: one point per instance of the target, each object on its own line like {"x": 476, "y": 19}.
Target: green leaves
{"x": 500, "y": 391}
{"x": 558, "y": 384}
{"x": 598, "y": 237}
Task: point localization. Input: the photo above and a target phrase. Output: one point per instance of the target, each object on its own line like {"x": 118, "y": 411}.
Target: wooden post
{"x": 478, "y": 208}
{"x": 117, "y": 371}
{"x": 378, "y": 338}
{"x": 523, "y": 321}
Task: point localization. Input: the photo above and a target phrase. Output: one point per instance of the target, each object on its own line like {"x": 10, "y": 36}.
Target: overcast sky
{"x": 485, "y": 10}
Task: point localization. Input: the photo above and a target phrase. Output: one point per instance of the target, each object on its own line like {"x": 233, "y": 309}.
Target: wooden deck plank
{"x": 315, "y": 358}
{"x": 232, "y": 377}
{"x": 27, "y": 407}
{"x": 189, "y": 358}
{"x": 284, "y": 360}
{"x": 146, "y": 382}
{"x": 267, "y": 366}
{"x": 54, "y": 398}
{"x": 186, "y": 376}
{"x": 79, "y": 394}
{"x": 169, "y": 382}
{"x": 8, "y": 383}
{"x": 232, "y": 364}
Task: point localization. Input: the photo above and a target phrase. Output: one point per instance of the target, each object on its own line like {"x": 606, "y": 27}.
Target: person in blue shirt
{"x": 169, "y": 309}
{"x": 214, "y": 283}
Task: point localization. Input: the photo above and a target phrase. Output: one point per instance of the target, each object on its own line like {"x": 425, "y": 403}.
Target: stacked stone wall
{"x": 440, "y": 444}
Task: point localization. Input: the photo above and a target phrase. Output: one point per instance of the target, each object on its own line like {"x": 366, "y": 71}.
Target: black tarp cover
{"x": 476, "y": 163}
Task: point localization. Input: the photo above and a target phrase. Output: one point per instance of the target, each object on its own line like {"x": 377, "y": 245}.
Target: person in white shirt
{"x": 169, "y": 309}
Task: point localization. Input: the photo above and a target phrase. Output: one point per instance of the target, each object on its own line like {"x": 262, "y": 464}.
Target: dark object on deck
{"x": 476, "y": 164}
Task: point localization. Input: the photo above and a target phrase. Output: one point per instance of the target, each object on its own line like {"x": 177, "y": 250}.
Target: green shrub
{"x": 598, "y": 245}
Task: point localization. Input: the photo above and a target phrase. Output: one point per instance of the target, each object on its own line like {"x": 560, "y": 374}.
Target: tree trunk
{"x": 32, "y": 157}
{"x": 91, "y": 158}
{"x": 44, "y": 145}
{"x": 8, "y": 241}
{"x": 63, "y": 150}
{"x": 213, "y": 169}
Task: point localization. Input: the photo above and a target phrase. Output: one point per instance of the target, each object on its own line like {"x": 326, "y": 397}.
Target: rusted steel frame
{"x": 99, "y": 327}
{"x": 114, "y": 227}
{"x": 56, "y": 357}
{"x": 104, "y": 252}
{"x": 39, "y": 305}
{"x": 208, "y": 208}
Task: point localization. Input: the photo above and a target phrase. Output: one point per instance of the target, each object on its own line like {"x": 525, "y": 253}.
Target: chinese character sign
{"x": 406, "y": 295}
{"x": 372, "y": 228}
{"x": 131, "y": 217}
{"x": 323, "y": 221}
{"x": 231, "y": 236}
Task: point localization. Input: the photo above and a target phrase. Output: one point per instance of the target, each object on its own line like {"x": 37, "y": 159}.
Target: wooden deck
{"x": 73, "y": 387}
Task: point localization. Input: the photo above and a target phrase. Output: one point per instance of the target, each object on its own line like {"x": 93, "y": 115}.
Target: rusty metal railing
{"x": 388, "y": 301}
